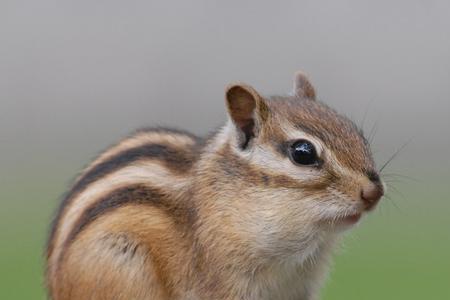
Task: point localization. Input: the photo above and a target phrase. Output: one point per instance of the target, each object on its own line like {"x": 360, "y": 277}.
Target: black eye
{"x": 303, "y": 152}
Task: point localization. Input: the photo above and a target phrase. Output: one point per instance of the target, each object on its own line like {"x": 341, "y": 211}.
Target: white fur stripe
{"x": 140, "y": 139}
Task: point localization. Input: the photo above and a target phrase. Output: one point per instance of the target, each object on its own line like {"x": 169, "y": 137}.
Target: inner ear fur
{"x": 247, "y": 110}
{"x": 303, "y": 87}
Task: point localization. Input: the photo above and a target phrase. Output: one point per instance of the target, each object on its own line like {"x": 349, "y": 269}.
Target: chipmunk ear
{"x": 302, "y": 87}
{"x": 247, "y": 110}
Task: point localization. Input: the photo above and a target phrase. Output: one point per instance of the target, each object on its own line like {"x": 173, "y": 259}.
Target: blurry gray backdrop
{"x": 75, "y": 76}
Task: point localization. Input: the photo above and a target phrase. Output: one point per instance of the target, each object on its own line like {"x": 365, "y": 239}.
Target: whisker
{"x": 363, "y": 121}
{"x": 397, "y": 191}
{"x": 394, "y": 155}
{"x": 393, "y": 203}
{"x": 393, "y": 180}
{"x": 373, "y": 132}
{"x": 395, "y": 175}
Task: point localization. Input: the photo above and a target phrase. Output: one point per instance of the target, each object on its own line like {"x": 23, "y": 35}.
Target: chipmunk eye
{"x": 303, "y": 152}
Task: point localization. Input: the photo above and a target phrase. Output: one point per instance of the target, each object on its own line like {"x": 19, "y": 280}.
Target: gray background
{"x": 77, "y": 75}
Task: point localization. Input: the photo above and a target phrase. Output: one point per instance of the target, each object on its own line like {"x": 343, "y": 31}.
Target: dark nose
{"x": 371, "y": 194}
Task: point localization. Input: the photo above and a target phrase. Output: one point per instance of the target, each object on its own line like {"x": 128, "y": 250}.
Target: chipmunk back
{"x": 252, "y": 212}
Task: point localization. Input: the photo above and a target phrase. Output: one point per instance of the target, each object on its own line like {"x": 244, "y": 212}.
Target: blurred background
{"x": 76, "y": 76}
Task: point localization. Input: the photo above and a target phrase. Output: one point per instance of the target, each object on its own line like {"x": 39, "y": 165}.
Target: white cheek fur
{"x": 266, "y": 158}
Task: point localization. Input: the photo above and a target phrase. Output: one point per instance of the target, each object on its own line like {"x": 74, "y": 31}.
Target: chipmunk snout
{"x": 371, "y": 193}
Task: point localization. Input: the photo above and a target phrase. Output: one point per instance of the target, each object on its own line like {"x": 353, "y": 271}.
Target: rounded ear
{"x": 302, "y": 87}
{"x": 247, "y": 110}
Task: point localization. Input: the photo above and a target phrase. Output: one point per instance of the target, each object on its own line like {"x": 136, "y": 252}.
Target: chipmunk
{"x": 252, "y": 212}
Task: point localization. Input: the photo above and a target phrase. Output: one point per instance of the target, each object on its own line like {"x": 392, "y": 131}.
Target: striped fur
{"x": 158, "y": 153}
{"x": 166, "y": 215}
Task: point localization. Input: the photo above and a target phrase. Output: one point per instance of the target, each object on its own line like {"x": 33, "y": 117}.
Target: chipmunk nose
{"x": 371, "y": 193}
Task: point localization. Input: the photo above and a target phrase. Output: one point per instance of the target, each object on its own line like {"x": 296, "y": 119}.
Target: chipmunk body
{"x": 252, "y": 212}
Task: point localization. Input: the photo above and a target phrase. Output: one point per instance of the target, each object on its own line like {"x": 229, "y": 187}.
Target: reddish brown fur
{"x": 230, "y": 224}
{"x": 338, "y": 132}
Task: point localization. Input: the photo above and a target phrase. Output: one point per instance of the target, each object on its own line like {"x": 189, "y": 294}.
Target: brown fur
{"x": 230, "y": 218}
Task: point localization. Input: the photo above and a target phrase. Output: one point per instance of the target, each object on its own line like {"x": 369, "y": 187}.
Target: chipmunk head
{"x": 291, "y": 168}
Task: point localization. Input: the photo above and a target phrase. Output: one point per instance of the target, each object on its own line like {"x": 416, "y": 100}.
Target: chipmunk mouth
{"x": 351, "y": 219}
{"x": 345, "y": 220}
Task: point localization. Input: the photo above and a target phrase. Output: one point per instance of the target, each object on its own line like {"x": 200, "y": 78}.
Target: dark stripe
{"x": 174, "y": 159}
{"x": 138, "y": 194}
